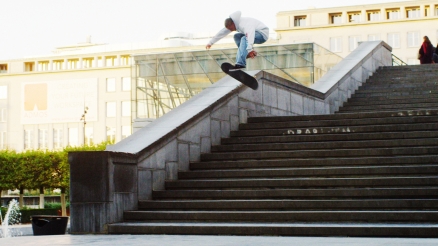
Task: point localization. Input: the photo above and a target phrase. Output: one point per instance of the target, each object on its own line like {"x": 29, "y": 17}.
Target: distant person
{"x": 426, "y": 51}
{"x": 435, "y": 55}
{"x": 250, "y": 32}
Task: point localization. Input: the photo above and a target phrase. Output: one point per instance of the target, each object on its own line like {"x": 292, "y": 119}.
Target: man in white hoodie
{"x": 250, "y": 32}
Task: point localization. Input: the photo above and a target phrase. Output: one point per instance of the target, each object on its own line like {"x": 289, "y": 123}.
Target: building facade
{"x": 79, "y": 94}
{"x": 400, "y": 24}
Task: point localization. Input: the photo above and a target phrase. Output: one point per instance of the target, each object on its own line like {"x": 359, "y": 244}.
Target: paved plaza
{"x": 187, "y": 240}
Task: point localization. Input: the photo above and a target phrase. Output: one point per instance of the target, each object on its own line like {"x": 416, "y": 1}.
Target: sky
{"x": 36, "y": 27}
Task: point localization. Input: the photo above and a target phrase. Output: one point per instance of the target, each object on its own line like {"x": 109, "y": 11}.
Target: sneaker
{"x": 237, "y": 67}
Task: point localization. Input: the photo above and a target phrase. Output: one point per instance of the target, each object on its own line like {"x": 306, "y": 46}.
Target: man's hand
{"x": 208, "y": 46}
{"x": 252, "y": 54}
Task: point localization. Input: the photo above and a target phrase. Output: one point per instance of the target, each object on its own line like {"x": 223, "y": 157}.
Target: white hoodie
{"x": 245, "y": 25}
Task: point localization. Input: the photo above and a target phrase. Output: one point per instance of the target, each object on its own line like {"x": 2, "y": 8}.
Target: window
{"x": 57, "y": 138}
{"x": 354, "y": 17}
{"x": 43, "y": 66}
{"x": 126, "y": 83}
{"x": 413, "y": 39}
{"x": 111, "y": 134}
{"x": 3, "y": 91}
{"x": 111, "y": 109}
{"x": 110, "y": 84}
{"x": 124, "y": 60}
{"x": 394, "y": 40}
{"x": 336, "y": 44}
{"x": 336, "y": 18}
{"x": 111, "y": 61}
{"x": 126, "y": 108}
{"x": 374, "y": 37}
{"x": 126, "y": 131}
{"x": 28, "y": 139}
{"x": 413, "y": 13}
{"x": 29, "y": 66}
{"x": 73, "y": 136}
{"x": 42, "y": 139}
{"x": 3, "y": 115}
{"x": 373, "y": 15}
{"x": 73, "y": 63}
{"x": 89, "y": 136}
{"x": 353, "y": 42}
{"x": 57, "y": 65}
{"x": 87, "y": 63}
{"x": 393, "y": 14}
{"x": 3, "y": 140}
{"x": 300, "y": 21}
{"x": 3, "y": 68}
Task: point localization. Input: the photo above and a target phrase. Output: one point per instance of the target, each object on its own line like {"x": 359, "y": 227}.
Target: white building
{"x": 400, "y": 24}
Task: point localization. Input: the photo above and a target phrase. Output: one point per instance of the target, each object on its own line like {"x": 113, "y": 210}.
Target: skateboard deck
{"x": 240, "y": 75}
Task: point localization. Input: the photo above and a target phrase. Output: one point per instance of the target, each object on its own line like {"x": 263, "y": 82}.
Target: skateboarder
{"x": 250, "y": 32}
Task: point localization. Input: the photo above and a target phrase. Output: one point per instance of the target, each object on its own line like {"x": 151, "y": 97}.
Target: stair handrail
{"x": 397, "y": 61}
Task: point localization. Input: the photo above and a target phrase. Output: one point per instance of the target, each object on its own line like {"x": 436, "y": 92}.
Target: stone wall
{"x": 139, "y": 164}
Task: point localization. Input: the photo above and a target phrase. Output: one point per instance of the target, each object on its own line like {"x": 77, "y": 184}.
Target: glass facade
{"x": 164, "y": 81}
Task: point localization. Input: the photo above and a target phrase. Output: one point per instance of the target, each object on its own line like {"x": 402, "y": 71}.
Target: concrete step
{"x": 367, "y": 102}
{"x": 283, "y": 216}
{"x": 413, "y": 142}
{"x": 351, "y": 115}
{"x": 318, "y": 162}
{"x": 380, "y": 84}
{"x": 350, "y": 171}
{"x": 401, "y": 88}
{"x": 428, "y": 192}
{"x": 396, "y": 93}
{"x": 291, "y": 205}
{"x": 365, "y": 153}
{"x": 280, "y": 229}
{"x": 404, "y": 106}
{"x": 341, "y": 130}
{"x": 326, "y": 137}
{"x": 340, "y": 122}
{"x": 305, "y": 182}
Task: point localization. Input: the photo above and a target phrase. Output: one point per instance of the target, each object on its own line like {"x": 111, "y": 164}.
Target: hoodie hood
{"x": 236, "y": 18}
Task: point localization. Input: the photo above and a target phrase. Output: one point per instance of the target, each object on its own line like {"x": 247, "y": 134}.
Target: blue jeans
{"x": 242, "y": 43}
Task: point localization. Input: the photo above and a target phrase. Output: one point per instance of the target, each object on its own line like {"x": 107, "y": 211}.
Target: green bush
{"x": 26, "y": 213}
{"x": 55, "y": 205}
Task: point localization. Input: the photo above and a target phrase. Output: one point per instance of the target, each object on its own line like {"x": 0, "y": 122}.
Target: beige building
{"x": 400, "y": 24}
{"x": 79, "y": 93}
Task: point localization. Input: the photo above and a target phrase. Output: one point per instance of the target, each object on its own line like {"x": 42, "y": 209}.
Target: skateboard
{"x": 240, "y": 75}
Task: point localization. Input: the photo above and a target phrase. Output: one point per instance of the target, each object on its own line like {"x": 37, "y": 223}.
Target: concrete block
{"x": 320, "y": 107}
{"x": 222, "y": 113}
{"x": 125, "y": 178}
{"x": 195, "y": 152}
{"x": 144, "y": 184}
{"x": 201, "y": 128}
{"x": 234, "y": 122}
{"x": 270, "y": 96}
{"x": 284, "y": 99}
{"x": 244, "y": 104}
{"x": 252, "y": 95}
{"x": 243, "y": 116}
{"x": 171, "y": 171}
{"x": 309, "y": 106}
{"x": 225, "y": 129}
{"x": 263, "y": 109}
{"x": 233, "y": 105}
{"x": 297, "y": 103}
{"x": 278, "y": 112}
{"x": 215, "y": 132}
{"x": 158, "y": 179}
{"x": 205, "y": 145}
{"x": 183, "y": 156}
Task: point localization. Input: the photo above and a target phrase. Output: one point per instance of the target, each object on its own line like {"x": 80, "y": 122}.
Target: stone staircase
{"x": 368, "y": 170}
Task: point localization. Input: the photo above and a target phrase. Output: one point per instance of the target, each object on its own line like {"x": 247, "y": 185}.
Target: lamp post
{"x": 83, "y": 119}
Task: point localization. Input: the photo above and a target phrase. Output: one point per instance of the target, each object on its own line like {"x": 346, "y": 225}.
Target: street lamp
{"x": 85, "y": 122}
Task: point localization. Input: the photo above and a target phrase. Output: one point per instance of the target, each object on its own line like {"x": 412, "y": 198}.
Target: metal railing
{"x": 397, "y": 61}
